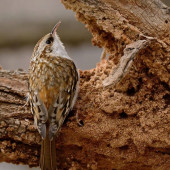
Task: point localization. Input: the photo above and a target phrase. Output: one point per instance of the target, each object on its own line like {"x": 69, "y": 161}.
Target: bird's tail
{"x": 48, "y": 154}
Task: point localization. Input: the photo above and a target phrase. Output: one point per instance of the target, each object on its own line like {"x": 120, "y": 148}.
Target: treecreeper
{"x": 53, "y": 89}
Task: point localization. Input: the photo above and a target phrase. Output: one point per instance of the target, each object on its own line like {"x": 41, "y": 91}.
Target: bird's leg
{"x": 79, "y": 122}
{"x": 27, "y": 99}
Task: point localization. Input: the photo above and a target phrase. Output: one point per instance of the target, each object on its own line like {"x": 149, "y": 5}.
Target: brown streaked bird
{"x": 53, "y": 89}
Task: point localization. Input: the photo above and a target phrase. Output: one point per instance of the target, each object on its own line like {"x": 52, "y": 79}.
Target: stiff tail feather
{"x": 48, "y": 154}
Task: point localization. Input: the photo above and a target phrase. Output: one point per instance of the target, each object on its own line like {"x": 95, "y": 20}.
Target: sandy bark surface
{"x": 123, "y": 102}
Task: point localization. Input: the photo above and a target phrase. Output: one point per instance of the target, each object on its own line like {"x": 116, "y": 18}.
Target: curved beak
{"x": 55, "y": 28}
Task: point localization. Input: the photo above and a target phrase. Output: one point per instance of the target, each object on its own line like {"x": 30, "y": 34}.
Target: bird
{"x": 53, "y": 89}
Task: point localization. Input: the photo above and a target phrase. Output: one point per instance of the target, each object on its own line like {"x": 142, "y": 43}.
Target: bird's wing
{"x": 67, "y": 94}
{"x": 40, "y": 112}
{"x": 53, "y": 94}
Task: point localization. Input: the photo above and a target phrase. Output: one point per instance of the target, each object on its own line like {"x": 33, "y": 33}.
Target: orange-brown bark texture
{"x": 126, "y": 124}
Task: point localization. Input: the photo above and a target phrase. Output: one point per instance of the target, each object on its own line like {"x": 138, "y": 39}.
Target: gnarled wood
{"x": 126, "y": 124}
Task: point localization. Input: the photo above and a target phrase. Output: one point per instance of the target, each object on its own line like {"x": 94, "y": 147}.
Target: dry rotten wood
{"x": 130, "y": 52}
{"x": 126, "y": 124}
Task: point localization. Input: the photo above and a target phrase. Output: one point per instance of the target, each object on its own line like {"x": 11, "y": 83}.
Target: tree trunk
{"x": 123, "y": 102}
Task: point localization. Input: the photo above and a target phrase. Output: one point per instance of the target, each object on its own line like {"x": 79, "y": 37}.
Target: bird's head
{"x": 50, "y": 44}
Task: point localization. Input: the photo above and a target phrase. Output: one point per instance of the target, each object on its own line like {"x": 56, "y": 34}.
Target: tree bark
{"x": 123, "y": 102}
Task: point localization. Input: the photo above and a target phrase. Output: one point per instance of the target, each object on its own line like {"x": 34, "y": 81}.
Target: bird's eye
{"x": 48, "y": 42}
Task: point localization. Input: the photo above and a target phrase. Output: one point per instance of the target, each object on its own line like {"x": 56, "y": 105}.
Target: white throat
{"x": 58, "y": 48}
